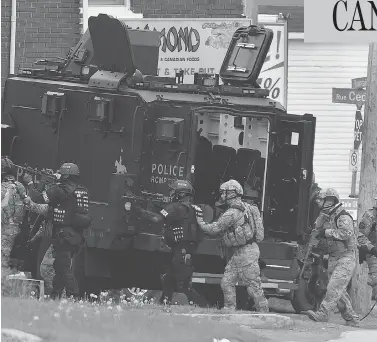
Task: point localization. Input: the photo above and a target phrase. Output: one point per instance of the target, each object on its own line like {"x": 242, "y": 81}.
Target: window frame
{"x": 104, "y": 3}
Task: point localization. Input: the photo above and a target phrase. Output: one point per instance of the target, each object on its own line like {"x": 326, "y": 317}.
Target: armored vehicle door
{"x": 168, "y": 146}
{"x": 290, "y": 174}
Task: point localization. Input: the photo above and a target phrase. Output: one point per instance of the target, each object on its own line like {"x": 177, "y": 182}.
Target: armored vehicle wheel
{"x": 304, "y": 298}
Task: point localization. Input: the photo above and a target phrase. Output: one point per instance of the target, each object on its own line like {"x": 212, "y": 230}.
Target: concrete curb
{"x": 358, "y": 335}
{"x": 18, "y": 336}
{"x": 250, "y": 320}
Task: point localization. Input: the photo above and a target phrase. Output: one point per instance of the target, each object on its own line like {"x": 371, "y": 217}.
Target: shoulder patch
{"x": 164, "y": 213}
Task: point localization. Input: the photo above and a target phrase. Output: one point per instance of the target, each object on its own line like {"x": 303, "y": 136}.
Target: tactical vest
{"x": 240, "y": 234}
{"x": 74, "y": 211}
{"x": 339, "y": 247}
{"x": 185, "y": 229}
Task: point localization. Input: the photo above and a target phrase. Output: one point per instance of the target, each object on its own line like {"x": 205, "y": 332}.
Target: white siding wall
{"x": 313, "y": 70}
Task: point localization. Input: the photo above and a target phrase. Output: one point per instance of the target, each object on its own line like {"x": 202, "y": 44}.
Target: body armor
{"x": 74, "y": 211}
{"x": 185, "y": 229}
{"x": 242, "y": 233}
{"x": 338, "y": 248}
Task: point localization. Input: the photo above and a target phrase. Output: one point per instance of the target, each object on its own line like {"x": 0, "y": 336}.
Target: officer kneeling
{"x": 67, "y": 203}
{"x": 181, "y": 235}
{"x": 240, "y": 227}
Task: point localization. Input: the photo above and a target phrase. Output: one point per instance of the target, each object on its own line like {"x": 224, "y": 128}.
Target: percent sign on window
{"x": 268, "y": 83}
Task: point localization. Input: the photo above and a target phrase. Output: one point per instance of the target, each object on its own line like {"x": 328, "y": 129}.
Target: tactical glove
{"x": 321, "y": 219}
{"x": 27, "y": 178}
{"x": 27, "y": 201}
{"x": 198, "y": 210}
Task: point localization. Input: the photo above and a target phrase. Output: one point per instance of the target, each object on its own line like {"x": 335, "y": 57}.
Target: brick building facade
{"x": 45, "y": 29}
{"x": 188, "y": 8}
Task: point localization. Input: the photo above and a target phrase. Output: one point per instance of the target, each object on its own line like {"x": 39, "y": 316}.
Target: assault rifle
{"x": 46, "y": 175}
{"x": 147, "y": 196}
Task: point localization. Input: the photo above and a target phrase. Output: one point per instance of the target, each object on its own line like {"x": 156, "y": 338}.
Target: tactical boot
{"x": 353, "y": 323}
{"x": 263, "y": 309}
{"x": 228, "y": 309}
{"x": 318, "y": 316}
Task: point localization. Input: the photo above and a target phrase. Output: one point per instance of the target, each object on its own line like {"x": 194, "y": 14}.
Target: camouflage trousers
{"x": 8, "y": 236}
{"x": 372, "y": 279}
{"x": 340, "y": 273}
{"x": 47, "y": 270}
{"x": 243, "y": 267}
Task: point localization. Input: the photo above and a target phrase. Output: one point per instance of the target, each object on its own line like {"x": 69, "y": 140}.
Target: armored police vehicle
{"x": 132, "y": 132}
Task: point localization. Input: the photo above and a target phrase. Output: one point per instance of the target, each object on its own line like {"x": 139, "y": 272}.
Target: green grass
{"x": 68, "y": 321}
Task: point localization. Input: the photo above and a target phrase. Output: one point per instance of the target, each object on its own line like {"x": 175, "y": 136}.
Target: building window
{"x": 107, "y": 2}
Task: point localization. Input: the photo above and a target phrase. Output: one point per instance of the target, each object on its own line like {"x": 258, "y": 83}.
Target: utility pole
{"x": 360, "y": 292}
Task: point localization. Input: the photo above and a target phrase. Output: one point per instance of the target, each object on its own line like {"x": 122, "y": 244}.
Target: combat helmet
{"x": 232, "y": 189}
{"x": 180, "y": 188}
{"x": 329, "y": 193}
{"x": 69, "y": 169}
{"x": 6, "y": 166}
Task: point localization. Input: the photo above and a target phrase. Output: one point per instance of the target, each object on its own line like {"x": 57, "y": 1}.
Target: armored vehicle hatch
{"x": 111, "y": 44}
{"x": 246, "y": 54}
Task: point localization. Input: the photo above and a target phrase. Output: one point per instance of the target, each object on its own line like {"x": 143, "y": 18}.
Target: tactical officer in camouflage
{"x": 240, "y": 227}
{"x": 181, "y": 235}
{"x": 336, "y": 235}
{"x": 368, "y": 227}
{"x": 44, "y": 224}
{"x": 68, "y": 204}
{"x": 12, "y": 209}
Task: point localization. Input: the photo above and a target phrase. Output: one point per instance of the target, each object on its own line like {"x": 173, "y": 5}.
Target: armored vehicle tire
{"x": 303, "y": 298}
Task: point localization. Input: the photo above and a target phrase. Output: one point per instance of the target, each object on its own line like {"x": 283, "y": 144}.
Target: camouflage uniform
{"x": 12, "y": 213}
{"x": 46, "y": 268}
{"x": 368, "y": 226}
{"x": 241, "y": 237}
{"x": 340, "y": 243}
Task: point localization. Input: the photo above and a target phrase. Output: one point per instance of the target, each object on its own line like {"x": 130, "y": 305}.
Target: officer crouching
{"x": 240, "y": 227}
{"x": 181, "y": 235}
{"x": 67, "y": 203}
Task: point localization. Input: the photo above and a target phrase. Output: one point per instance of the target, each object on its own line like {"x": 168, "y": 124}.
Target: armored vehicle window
{"x": 170, "y": 129}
